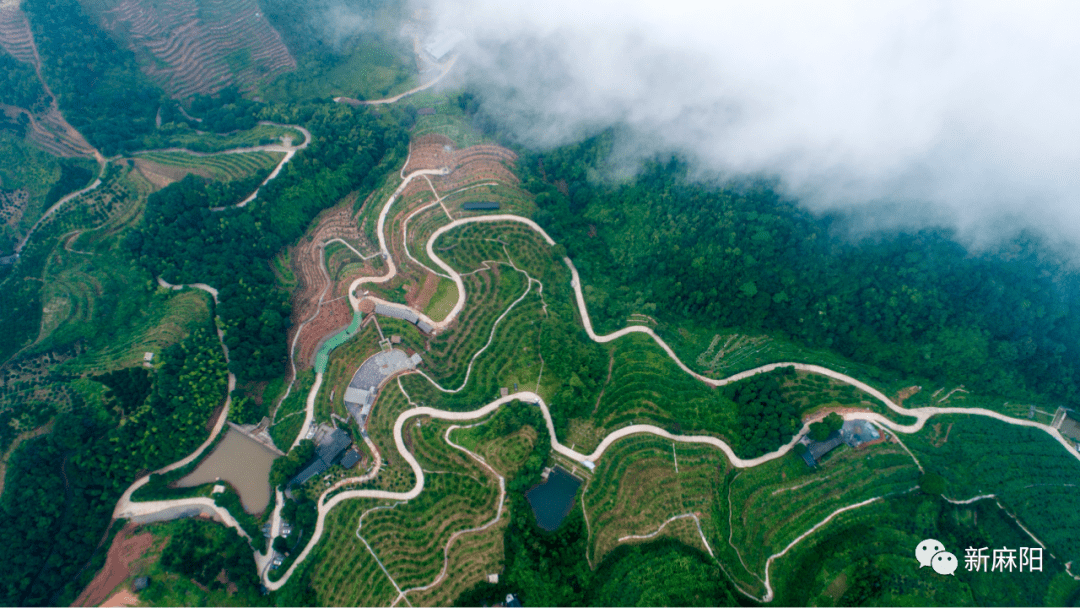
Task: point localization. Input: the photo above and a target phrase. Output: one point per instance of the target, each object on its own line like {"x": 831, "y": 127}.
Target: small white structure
{"x": 493, "y": 579}
{"x": 218, "y": 489}
{"x": 440, "y": 45}
{"x": 148, "y": 356}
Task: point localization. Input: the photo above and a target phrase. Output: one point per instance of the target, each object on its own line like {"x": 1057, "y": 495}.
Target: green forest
{"x": 183, "y": 241}
{"x": 60, "y": 489}
{"x": 738, "y": 254}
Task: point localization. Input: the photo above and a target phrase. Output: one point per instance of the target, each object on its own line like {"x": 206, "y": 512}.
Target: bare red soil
{"x": 419, "y": 299}
{"x": 126, "y": 548}
{"x": 467, "y": 166}
{"x": 333, "y": 317}
{"x": 307, "y": 262}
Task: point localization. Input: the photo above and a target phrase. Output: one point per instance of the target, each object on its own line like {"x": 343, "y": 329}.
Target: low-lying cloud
{"x": 955, "y": 113}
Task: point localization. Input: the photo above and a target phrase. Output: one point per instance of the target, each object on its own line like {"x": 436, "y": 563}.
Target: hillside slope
{"x": 190, "y": 47}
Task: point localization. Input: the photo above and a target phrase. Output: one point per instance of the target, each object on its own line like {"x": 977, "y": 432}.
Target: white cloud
{"x": 966, "y": 109}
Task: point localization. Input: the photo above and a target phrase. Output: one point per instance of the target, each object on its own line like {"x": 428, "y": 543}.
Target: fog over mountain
{"x": 960, "y": 113}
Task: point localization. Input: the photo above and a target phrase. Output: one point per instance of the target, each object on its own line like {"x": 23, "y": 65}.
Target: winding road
{"x": 327, "y": 503}
{"x": 920, "y": 415}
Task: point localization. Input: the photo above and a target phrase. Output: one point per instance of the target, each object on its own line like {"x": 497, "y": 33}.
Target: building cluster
{"x": 330, "y": 449}
{"x": 855, "y": 433}
{"x": 1066, "y": 424}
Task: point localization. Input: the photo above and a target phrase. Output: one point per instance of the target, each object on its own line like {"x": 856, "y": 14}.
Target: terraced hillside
{"x": 200, "y": 46}
{"x": 47, "y": 128}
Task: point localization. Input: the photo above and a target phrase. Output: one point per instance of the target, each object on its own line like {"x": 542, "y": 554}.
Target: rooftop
{"x": 858, "y": 432}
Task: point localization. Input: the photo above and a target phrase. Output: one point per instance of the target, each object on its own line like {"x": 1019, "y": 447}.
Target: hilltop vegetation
{"x": 61, "y": 488}
{"x": 741, "y": 255}
{"x": 183, "y": 241}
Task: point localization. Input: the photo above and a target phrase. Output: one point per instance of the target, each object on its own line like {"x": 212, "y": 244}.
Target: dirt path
{"x": 375, "y": 102}
{"x": 126, "y": 548}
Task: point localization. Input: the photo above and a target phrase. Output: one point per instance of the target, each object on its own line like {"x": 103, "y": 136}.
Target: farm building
{"x": 350, "y": 459}
{"x": 1066, "y": 423}
{"x": 372, "y": 373}
{"x": 854, "y": 433}
{"x": 329, "y": 447}
{"x": 397, "y": 312}
{"x": 817, "y": 449}
{"x": 480, "y": 206}
{"x": 858, "y": 432}
{"x": 405, "y": 314}
{"x": 440, "y": 45}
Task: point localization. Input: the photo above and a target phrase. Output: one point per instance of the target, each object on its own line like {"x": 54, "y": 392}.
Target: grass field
{"x": 635, "y": 488}
{"x": 289, "y": 417}
{"x": 25, "y": 168}
{"x": 168, "y": 319}
{"x": 774, "y": 503}
{"x": 864, "y": 557}
{"x": 374, "y": 69}
{"x": 440, "y": 305}
{"x": 92, "y": 294}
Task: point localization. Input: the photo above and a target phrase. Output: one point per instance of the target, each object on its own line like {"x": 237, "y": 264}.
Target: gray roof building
{"x": 858, "y": 432}
{"x": 316, "y": 467}
{"x": 328, "y": 450}
{"x": 816, "y": 449}
{"x": 396, "y": 312}
{"x": 350, "y": 459}
{"x": 333, "y": 446}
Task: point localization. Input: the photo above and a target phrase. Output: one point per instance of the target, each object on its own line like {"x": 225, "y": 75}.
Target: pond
{"x": 551, "y": 501}
{"x": 241, "y": 461}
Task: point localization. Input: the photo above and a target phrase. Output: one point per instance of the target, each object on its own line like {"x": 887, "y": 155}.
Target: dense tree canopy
{"x": 766, "y": 420}
{"x": 740, "y": 255}
{"x": 60, "y": 489}
{"x": 183, "y": 241}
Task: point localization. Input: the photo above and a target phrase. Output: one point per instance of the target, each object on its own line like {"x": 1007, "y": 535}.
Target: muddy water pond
{"x": 241, "y": 461}
{"x": 551, "y": 501}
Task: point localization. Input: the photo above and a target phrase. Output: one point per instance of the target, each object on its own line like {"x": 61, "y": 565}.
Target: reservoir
{"x": 241, "y": 461}
{"x": 551, "y": 501}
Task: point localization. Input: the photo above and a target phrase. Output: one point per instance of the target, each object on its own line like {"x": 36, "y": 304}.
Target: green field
{"x": 184, "y": 137}
{"x": 1032, "y": 475}
{"x": 373, "y": 70}
{"x": 409, "y": 538}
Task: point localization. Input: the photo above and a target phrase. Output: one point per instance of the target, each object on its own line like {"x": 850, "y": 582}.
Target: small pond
{"x": 551, "y": 501}
{"x": 241, "y": 461}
